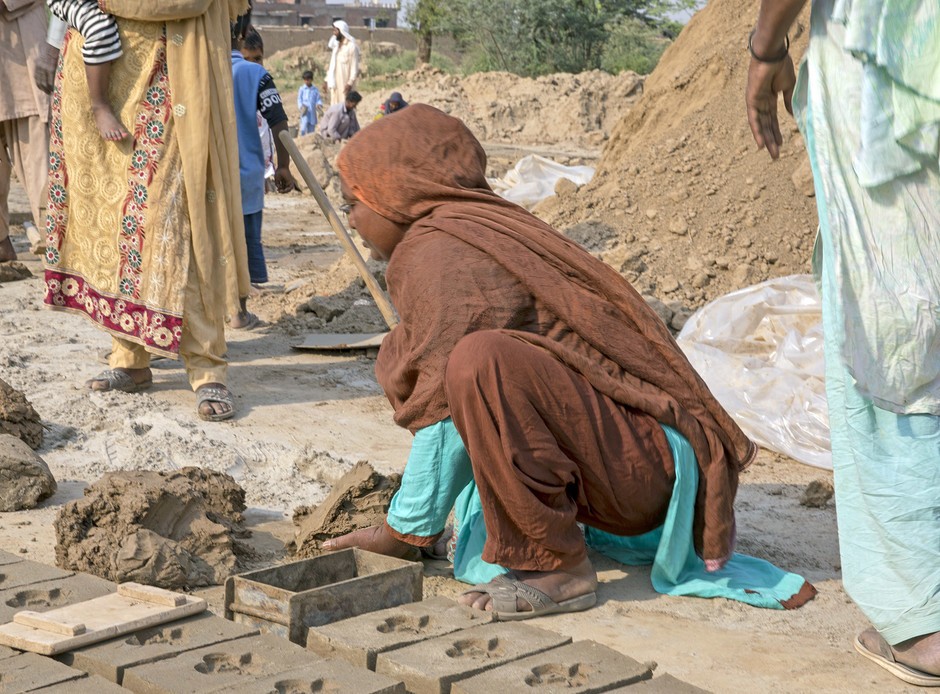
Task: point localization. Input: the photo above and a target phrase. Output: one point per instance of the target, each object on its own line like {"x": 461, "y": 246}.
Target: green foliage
{"x": 632, "y": 45}
{"x": 537, "y": 37}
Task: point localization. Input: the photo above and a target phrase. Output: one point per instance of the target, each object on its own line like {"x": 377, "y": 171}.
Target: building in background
{"x": 368, "y": 14}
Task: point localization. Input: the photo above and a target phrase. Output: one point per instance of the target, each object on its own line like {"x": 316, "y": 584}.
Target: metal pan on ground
{"x": 342, "y": 342}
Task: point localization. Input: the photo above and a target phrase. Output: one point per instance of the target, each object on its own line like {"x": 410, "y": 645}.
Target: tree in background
{"x": 537, "y": 37}
{"x": 426, "y": 18}
{"x": 633, "y": 45}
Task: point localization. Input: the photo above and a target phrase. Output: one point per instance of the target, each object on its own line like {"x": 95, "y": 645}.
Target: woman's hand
{"x": 374, "y": 539}
{"x": 765, "y": 81}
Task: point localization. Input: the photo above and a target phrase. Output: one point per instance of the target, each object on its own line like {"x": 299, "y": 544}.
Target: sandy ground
{"x": 304, "y": 419}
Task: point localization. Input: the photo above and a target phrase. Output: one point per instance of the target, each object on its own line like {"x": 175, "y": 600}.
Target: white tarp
{"x": 533, "y": 179}
{"x": 760, "y": 350}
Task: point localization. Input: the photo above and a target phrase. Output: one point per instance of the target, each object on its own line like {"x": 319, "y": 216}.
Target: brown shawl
{"x": 423, "y": 168}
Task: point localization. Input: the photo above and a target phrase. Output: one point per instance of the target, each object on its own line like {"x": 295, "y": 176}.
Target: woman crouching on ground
{"x": 542, "y": 391}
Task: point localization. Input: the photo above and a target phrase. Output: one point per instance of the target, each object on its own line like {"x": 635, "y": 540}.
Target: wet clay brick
{"x": 222, "y": 666}
{"x": 47, "y": 595}
{"x": 86, "y": 685}
{"x": 360, "y": 639}
{"x": 432, "y": 666}
{"x": 326, "y": 676}
{"x": 664, "y": 684}
{"x": 111, "y": 658}
{"x": 585, "y": 666}
{"x": 23, "y": 573}
{"x": 28, "y": 671}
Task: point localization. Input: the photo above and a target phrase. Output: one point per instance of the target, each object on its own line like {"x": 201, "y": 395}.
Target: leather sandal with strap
{"x": 883, "y": 656}
{"x": 118, "y": 379}
{"x": 505, "y": 591}
{"x": 219, "y": 394}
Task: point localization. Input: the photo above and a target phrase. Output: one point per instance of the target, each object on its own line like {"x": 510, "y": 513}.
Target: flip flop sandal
{"x": 884, "y": 657}
{"x": 505, "y": 590}
{"x": 118, "y": 380}
{"x": 222, "y": 395}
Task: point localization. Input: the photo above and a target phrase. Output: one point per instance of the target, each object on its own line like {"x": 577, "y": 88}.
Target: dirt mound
{"x": 578, "y": 110}
{"x": 173, "y": 530}
{"x": 25, "y": 479}
{"x": 288, "y": 65}
{"x": 698, "y": 210}
{"x": 17, "y": 416}
{"x": 358, "y": 500}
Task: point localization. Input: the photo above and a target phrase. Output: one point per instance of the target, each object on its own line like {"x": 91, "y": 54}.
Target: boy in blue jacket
{"x": 309, "y": 103}
{"x": 255, "y": 92}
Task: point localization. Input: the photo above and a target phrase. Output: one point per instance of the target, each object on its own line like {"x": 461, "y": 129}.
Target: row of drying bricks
{"x": 431, "y": 646}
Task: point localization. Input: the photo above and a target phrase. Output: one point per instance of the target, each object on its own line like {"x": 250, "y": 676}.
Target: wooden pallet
{"x": 134, "y": 606}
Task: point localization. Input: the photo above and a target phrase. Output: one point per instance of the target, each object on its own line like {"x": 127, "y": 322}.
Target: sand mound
{"x": 358, "y": 500}
{"x": 291, "y": 63}
{"x": 168, "y": 529}
{"x": 17, "y": 416}
{"x": 578, "y": 110}
{"x": 698, "y": 210}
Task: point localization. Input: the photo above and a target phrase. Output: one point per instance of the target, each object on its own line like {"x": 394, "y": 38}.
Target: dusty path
{"x": 304, "y": 419}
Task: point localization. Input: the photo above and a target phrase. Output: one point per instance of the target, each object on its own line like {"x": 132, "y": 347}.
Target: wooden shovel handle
{"x": 381, "y": 298}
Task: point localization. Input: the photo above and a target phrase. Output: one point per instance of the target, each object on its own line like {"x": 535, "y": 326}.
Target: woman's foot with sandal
{"x": 122, "y": 380}
{"x": 214, "y": 402}
{"x": 915, "y": 661}
{"x": 536, "y": 592}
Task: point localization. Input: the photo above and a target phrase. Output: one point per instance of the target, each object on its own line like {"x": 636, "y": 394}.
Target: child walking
{"x": 255, "y": 92}
{"x": 309, "y": 103}
{"x": 102, "y": 47}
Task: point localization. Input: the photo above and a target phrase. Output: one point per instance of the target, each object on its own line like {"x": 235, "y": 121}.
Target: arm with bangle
{"x": 771, "y": 71}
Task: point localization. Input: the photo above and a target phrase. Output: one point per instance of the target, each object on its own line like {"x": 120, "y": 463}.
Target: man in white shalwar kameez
{"x": 343, "y": 71}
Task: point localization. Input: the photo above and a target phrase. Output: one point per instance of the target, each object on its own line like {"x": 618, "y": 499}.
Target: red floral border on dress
{"x": 135, "y": 321}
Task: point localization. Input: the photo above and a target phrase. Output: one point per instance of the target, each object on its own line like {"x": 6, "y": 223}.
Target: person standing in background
{"x": 255, "y": 92}
{"x": 309, "y": 103}
{"x": 27, "y": 67}
{"x": 343, "y": 71}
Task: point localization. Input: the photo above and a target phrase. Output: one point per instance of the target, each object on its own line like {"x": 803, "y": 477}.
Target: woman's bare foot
{"x": 558, "y": 585}
{"x": 7, "y": 252}
{"x": 110, "y": 128}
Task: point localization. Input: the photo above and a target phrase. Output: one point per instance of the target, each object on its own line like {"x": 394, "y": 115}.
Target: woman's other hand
{"x": 765, "y": 81}
{"x": 373, "y": 539}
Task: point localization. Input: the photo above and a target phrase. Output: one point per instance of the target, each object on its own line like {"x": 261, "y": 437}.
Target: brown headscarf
{"x": 422, "y": 167}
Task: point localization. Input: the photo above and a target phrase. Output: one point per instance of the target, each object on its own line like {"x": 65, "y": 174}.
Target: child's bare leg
{"x": 98, "y": 76}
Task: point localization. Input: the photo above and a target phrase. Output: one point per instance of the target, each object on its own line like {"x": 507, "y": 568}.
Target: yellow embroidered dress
{"x": 129, "y": 223}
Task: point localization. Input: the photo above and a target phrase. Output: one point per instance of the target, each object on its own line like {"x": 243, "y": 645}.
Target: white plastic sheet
{"x": 760, "y": 350}
{"x": 533, "y": 179}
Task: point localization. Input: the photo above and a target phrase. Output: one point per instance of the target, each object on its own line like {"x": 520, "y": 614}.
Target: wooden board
{"x": 337, "y": 342}
{"x": 133, "y": 607}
